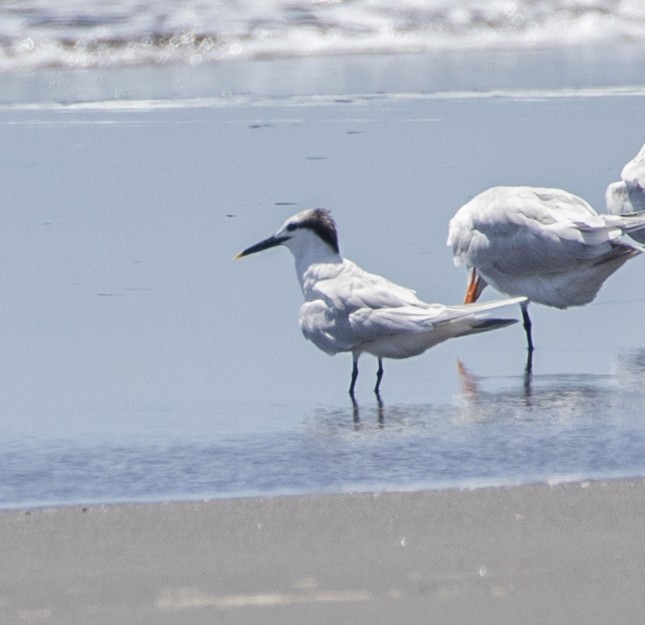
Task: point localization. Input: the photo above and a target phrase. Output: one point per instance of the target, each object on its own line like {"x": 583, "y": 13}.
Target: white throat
{"x": 314, "y": 260}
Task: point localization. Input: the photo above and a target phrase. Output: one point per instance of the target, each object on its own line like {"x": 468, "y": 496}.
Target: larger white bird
{"x": 546, "y": 244}
{"x": 627, "y": 196}
{"x": 349, "y": 310}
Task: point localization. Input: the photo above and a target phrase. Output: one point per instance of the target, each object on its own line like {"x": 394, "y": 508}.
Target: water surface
{"x": 141, "y": 362}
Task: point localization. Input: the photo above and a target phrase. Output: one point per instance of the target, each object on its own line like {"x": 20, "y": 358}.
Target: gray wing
{"x": 524, "y": 231}
{"x": 371, "y": 324}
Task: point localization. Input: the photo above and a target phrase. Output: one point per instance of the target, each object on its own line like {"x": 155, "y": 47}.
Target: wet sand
{"x": 571, "y": 553}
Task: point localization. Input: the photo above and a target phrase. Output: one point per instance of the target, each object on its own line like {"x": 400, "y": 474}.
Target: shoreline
{"x": 577, "y": 68}
{"x": 375, "y": 490}
{"x": 565, "y": 553}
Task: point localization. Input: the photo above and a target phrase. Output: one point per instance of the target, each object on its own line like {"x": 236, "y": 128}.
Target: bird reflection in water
{"x": 356, "y": 411}
{"x": 556, "y": 398}
{"x": 469, "y": 390}
{"x": 469, "y": 386}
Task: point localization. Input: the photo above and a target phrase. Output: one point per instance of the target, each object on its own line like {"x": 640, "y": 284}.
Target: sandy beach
{"x": 535, "y": 554}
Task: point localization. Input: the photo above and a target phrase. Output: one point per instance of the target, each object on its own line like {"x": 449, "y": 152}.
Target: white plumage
{"x": 347, "y": 309}
{"x": 546, "y": 244}
{"x": 627, "y": 196}
{"x": 634, "y": 171}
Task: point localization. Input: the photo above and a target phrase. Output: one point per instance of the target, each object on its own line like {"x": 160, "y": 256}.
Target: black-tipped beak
{"x": 262, "y": 245}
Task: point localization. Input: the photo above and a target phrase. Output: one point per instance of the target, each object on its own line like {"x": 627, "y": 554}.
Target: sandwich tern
{"x": 627, "y": 196}
{"x": 546, "y": 244}
{"x": 347, "y": 309}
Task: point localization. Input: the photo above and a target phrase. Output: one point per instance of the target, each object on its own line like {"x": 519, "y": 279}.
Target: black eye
{"x": 291, "y": 227}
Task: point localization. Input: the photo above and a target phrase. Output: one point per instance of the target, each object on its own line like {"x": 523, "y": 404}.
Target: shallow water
{"x": 563, "y": 427}
{"x": 142, "y": 362}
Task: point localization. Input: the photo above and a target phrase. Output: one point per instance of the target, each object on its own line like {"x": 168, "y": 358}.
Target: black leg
{"x": 379, "y": 403}
{"x": 528, "y": 373}
{"x": 354, "y": 375}
{"x": 355, "y": 412}
{"x": 379, "y": 375}
{"x": 529, "y": 362}
{"x": 527, "y": 325}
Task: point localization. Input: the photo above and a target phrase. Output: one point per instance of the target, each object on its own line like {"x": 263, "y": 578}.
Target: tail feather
{"x": 632, "y": 219}
{"x": 479, "y": 307}
{"x": 620, "y": 253}
{"x": 473, "y": 318}
{"x": 637, "y": 239}
{"x": 477, "y": 311}
{"x": 626, "y": 222}
{"x": 485, "y": 325}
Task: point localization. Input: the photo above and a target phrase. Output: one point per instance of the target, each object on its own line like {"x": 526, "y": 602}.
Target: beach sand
{"x": 569, "y": 553}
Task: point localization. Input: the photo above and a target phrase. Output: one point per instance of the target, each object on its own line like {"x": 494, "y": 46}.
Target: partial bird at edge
{"x": 545, "y": 244}
{"x": 627, "y": 196}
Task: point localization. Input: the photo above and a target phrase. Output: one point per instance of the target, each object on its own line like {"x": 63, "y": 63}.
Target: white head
{"x": 310, "y": 231}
